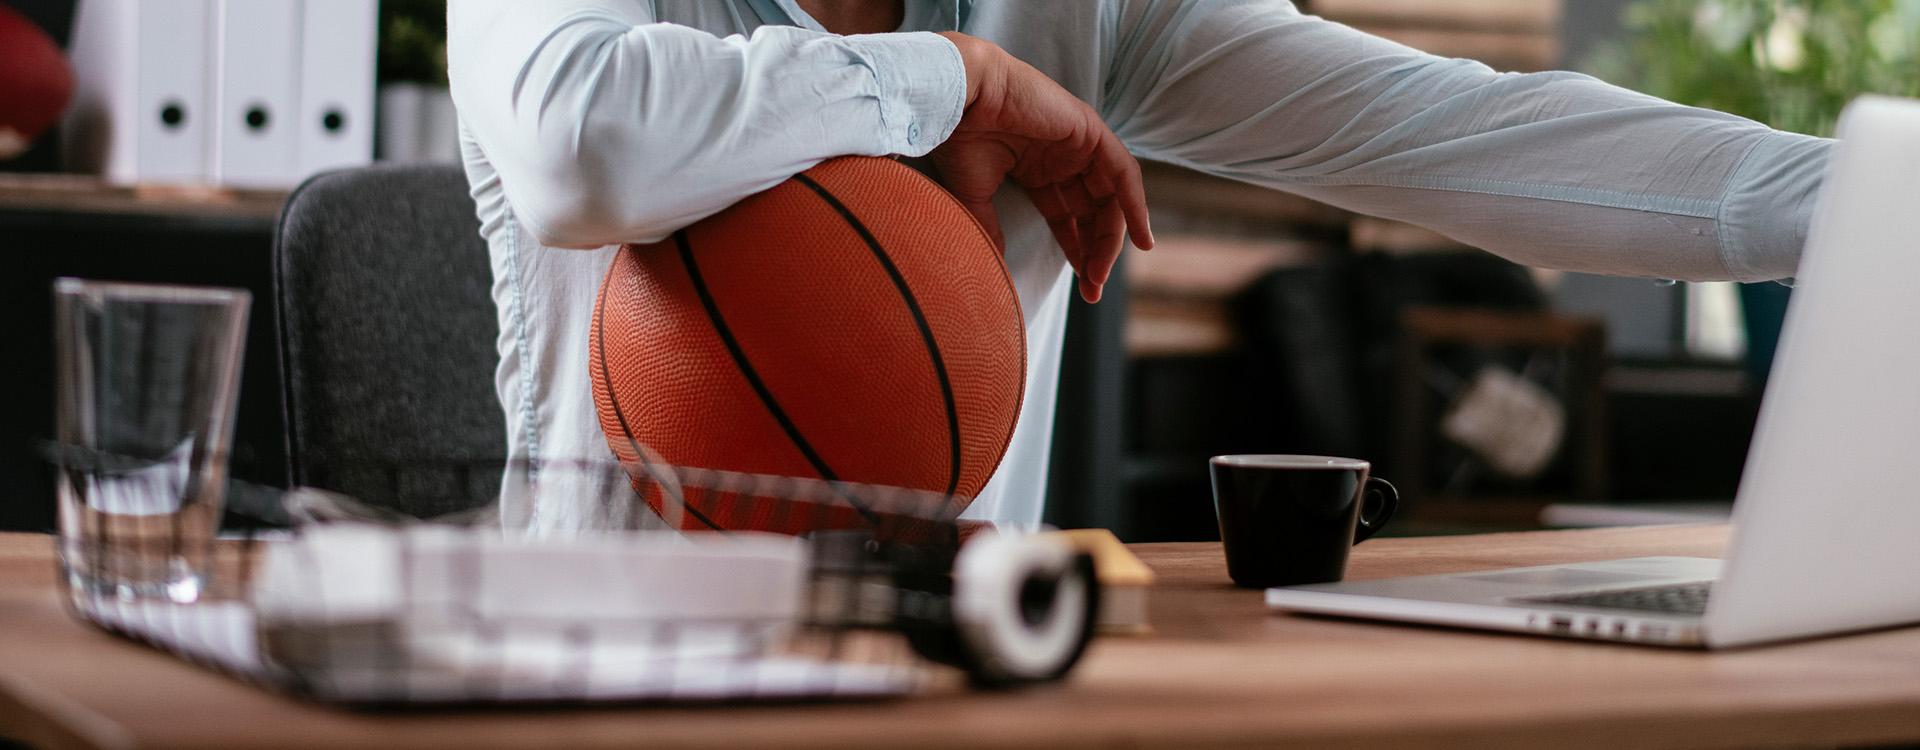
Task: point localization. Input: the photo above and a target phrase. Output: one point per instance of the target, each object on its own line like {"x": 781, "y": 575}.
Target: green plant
{"x": 1792, "y": 64}
{"x": 413, "y": 41}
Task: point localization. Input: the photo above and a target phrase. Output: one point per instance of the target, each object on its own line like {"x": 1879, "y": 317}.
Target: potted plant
{"x": 417, "y": 121}
{"x": 1792, "y": 64}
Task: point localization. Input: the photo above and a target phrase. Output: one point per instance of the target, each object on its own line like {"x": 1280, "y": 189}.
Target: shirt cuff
{"x": 1769, "y": 206}
{"x": 922, "y": 85}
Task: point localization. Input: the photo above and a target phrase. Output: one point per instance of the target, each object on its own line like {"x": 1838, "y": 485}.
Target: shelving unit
{"x": 69, "y": 225}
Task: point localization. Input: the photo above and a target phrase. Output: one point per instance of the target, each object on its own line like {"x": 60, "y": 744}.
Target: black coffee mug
{"x": 1289, "y": 520}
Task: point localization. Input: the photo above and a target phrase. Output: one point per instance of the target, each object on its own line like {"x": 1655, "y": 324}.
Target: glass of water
{"x": 148, "y": 379}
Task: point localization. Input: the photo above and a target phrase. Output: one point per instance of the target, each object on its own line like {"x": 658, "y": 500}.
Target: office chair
{"x": 387, "y": 335}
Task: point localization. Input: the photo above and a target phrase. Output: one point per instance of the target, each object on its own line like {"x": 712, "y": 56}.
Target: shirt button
{"x": 913, "y": 132}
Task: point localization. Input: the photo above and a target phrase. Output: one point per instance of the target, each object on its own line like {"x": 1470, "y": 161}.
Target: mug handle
{"x": 1389, "y": 501}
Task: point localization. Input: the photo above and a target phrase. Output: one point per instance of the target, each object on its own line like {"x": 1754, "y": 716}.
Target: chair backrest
{"x": 387, "y": 335}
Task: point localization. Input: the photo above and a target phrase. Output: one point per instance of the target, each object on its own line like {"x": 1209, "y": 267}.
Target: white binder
{"x": 142, "y": 108}
{"x": 256, "y": 131}
{"x": 335, "y": 121}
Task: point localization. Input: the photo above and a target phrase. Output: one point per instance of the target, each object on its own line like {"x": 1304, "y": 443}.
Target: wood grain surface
{"x": 1221, "y": 671}
{"x": 90, "y": 195}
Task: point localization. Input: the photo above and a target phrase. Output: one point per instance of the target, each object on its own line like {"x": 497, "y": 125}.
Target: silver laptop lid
{"x": 1828, "y": 523}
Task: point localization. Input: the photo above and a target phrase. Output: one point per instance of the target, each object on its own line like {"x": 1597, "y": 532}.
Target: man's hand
{"x": 1019, "y": 124}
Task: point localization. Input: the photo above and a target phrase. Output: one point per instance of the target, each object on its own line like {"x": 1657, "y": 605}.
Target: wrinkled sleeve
{"x": 606, "y": 127}
{"x": 1549, "y": 169}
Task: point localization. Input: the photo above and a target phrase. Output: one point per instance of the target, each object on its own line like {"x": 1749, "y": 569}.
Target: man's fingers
{"x": 1066, "y": 232}
{"x": 989, "y": 219}
{"x": 1075, "y": 198}
{"x": 1048, "y": 201}
{"x": 1139, "y": 227}
{"x": 1118, "y": 167}
{"x": 1099, "y": 184}
{"x": 1090, "y": 291}
{"x": 1089, "y": 238}
{"x": 1107, "y": 235}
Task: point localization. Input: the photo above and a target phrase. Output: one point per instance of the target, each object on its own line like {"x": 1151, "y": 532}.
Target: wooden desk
{"x": 1222, "y": 671}
{"x": 87, "y": 203}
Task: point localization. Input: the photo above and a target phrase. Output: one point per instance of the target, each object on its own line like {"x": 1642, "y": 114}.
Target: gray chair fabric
{"x": 387, "y": 334}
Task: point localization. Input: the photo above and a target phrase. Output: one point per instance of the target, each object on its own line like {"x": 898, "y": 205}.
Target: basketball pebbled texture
{"x": 853, "y": 323}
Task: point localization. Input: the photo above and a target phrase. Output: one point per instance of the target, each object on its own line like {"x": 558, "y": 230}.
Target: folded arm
{"x": 606, "y": 127}
{"x": 1549, "y": 169}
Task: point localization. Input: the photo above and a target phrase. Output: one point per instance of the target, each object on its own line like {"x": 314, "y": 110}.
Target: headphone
{"x": 1009, "y": 610}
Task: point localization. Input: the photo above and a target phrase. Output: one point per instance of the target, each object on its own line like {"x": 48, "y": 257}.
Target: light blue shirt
{"x": 590, "y": 123}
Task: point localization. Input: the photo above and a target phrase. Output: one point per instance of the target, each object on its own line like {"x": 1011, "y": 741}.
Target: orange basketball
{"x": 852, "y": 324}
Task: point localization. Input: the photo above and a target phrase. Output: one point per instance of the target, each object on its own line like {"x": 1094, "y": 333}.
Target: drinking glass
{"x": 148, "y": 377}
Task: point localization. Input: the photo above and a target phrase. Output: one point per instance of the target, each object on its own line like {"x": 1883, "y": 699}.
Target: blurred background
{"x": 1495, "y": 396}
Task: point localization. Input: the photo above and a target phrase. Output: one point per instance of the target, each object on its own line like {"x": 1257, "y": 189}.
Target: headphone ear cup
{"x": 1024, "y": 608}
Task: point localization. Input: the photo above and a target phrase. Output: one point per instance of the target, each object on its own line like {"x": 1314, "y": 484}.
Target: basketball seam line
{"x": 1006, "y": 439}
{"x": 919, "y": 321}
{"x": 753, "y": 376}
{"x": 613, "y": 400}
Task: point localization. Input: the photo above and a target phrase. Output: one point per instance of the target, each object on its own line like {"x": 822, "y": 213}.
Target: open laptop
{"x": 1827, "y": 526}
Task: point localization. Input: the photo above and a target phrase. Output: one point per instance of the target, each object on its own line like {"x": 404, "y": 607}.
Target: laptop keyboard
{"x": 1679, "y": 599}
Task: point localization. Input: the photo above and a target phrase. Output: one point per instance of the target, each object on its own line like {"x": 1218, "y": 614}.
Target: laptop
{"x": 1826, "y": 529}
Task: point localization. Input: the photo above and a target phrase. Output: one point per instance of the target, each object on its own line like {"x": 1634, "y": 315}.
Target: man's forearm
{"x": 589, "y": 111}
{"x": 1552, "y": 169}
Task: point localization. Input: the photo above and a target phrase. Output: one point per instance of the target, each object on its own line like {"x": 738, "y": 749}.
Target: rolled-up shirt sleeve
{"x": 607, "y": 127}
{"x": 1550, "y": 169}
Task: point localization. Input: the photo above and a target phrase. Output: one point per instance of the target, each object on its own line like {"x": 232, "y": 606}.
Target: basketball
{"x": 851, "y": 324}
